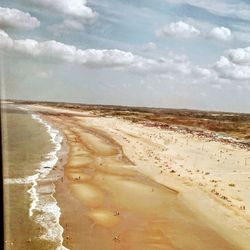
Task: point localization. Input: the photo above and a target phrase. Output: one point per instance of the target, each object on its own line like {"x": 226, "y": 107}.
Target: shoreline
{"x": 237, "y": 239}
{"x": 51, "y": 175}
{"x": 159, "y": 156}
{"x": 43, "y": 208}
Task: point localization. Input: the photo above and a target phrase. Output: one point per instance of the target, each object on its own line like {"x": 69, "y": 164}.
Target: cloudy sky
{"x": 157, "y": 53}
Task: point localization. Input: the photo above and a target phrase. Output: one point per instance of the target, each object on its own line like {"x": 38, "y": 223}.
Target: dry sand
{"x": 127, "y": 186}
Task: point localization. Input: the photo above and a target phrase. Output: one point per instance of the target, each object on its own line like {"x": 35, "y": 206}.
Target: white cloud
{"x": 179, "y": 29}
{"x": 5, "y": 40}
{"x": 60, "y": 51}
{"x": 14, "y": 18}
{"x": 177, "y": 57}
{"x": 103, "y": 58}
{"x": 72, "y": 8}
{"x": 240, "y": 55}
{"x": 236, "y": 65}
{"x": 185, "y": 30}
{"x": 76, "y": 14}
{"x": 221, "y": 33}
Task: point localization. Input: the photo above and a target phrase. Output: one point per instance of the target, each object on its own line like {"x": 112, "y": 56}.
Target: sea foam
{"x": 49, "y": 218}
{"x": 43, "y": 208}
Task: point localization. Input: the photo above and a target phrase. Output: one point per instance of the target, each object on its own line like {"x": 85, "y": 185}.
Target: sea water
{"x": 30, "y": 148}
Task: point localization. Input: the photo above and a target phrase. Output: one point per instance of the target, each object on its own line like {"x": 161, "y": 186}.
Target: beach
{"x": 125, "y": 125}
{"x": 124, "y": 185}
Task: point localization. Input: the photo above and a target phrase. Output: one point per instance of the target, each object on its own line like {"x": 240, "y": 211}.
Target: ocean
{"x": 30, "y": 149}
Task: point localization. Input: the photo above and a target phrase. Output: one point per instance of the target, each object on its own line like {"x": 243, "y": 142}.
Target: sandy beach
{"x": 129, "y": 186}
{"x": 125, "y": 185}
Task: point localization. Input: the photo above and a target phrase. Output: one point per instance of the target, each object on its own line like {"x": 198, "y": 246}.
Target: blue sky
{"x": 161, "y": 53}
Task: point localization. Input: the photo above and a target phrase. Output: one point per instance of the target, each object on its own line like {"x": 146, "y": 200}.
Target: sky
{"x": 192, "y": 54}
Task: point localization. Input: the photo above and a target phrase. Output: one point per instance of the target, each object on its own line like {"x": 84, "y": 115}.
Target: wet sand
{"x": 107, "y": 204}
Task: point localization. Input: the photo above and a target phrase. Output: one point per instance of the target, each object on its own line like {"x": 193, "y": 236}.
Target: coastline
{"x": 189, "y": 190}
{"x": 47, "y": 179}
{"x": 148, "y": 152}
{"x": 43, "y": 208}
